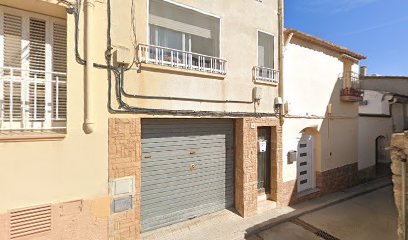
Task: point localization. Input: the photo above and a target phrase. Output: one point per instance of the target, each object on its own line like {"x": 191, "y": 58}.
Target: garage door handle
{"x": 192, "y": 152}
{"x": 148, "y": 156}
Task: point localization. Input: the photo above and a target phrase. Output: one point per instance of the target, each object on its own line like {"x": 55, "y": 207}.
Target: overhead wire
{"x": 119, "y": 72}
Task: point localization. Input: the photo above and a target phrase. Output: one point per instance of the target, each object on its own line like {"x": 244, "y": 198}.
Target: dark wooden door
{"x": 264, "y": 159}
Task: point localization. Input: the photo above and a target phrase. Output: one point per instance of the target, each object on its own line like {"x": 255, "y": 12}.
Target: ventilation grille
{"x": 30, "y": 221}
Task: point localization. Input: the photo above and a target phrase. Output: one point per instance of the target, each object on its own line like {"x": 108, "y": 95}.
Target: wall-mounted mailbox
{"x": 292, "y": 156}
{"x": 262, "y": 146}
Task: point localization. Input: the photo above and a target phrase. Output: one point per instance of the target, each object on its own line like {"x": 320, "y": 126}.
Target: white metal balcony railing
{"x": 32, "y": 100}
{"x": 180, "y": 59}
{"x": 265, "y": 74}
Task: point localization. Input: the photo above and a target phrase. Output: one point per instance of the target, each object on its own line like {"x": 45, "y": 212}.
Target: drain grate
{"x": 313, "y": 229}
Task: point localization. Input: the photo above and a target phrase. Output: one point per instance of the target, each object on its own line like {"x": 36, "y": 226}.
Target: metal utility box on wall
{"x": 257, "y": 94}
{"x": 122, "y": 190}
{"x": 292, "y": 156}
{"x": 121, "y": 56}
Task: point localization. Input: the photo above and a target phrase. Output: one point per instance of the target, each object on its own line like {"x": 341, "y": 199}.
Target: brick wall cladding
{"x": 246, "y": 162}
{"x": 367, "y": 174}
{"x": 337, "y": 179}
{"x": 329, "y": 181}
{"x": 399, "y": 152}
{"x": 124, "y": 161}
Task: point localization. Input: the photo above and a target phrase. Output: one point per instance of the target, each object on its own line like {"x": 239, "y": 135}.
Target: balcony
{"x": 351, "y": 91}
{"x": 266, "y": 75}
{"x": 174, "y": 58}
{"x": 32, "y": 100}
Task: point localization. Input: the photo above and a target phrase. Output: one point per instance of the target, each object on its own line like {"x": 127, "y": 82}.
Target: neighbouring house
{"x": 119, "y": 117}
{"x": 383, "y": 111}
{"x": 320, "y": 133}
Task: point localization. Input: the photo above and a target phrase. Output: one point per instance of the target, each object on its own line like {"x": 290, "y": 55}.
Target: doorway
{"x": 382, "y": 162}
{"x": 264, "y": 160}
{"x": 305, "y": 169}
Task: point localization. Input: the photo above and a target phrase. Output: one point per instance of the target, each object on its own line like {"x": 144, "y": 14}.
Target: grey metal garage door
{"x": 187, "y": 169}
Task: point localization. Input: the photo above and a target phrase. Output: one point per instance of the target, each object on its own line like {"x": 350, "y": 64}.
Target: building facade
{"x": 121, "y": 117}
{"x": 382, "y": 113}
{"x": 320, "y": 132}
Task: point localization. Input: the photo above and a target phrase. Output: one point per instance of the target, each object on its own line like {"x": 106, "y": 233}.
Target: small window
{"x": 264, "y": 71}
{"x": 265, "y": 50}
{"x": 182, "y": 38}
{"x": 183, "y": 29}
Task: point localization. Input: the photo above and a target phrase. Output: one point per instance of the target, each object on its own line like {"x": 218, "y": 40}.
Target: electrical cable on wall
{"x": 119, "y": 73}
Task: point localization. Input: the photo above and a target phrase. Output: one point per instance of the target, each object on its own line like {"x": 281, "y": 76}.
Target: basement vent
{"x": 30, "y": 221}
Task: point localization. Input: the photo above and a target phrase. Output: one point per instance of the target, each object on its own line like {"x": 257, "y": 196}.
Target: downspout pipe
{"x": 89, "y": 121}
{"x": 280, "y": 56}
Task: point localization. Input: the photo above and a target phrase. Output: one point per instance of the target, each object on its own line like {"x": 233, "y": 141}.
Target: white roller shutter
{"x": 180, "y": 19}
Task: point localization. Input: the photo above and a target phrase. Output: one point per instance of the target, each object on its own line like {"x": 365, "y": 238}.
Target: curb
{"x": 266, "y": 225}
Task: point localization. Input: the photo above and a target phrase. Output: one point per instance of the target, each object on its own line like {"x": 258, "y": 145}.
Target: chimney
{"x": 363, "y": 71}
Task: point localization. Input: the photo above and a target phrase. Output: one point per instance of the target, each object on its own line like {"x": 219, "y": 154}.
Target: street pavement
{"x": 371, "y": 216}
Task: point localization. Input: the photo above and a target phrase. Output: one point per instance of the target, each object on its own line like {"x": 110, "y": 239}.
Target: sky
{"x": 377, "y": 29}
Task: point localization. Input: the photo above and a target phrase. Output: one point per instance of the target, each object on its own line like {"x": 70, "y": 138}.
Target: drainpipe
{"x": 88, "y": 125}
{"x": 281, "y": 46}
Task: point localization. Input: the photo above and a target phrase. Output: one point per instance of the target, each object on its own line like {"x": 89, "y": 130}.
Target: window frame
{"x": 48, "y": 122}
{"x": 190, "y": 9}
{"x": 257, "y": 47}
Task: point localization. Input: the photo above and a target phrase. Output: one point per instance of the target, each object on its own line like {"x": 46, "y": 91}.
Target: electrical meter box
{"x": 121, "y": 56}
{"x": 257, "y": 94}
{"x": 292, "y": 156}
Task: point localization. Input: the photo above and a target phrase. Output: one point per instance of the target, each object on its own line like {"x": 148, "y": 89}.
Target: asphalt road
{"x": 372, "y": 216}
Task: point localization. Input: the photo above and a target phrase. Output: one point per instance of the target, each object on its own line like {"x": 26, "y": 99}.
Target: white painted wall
{"x": 377, "y": 103}
{"x": 310, "y": 84}
{"x": 310, "y": 78}
{"x": 369, "y": 129}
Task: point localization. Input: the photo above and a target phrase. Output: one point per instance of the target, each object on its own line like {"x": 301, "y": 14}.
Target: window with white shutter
{"x": 12, "y": 36}
{"x": 59, "y": 65}
{"x": 181, "y": 37}
{"x": 33, "y": 69}
{"x": 265, "y": 71}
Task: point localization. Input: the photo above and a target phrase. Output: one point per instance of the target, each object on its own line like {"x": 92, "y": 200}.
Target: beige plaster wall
{"x": 239, "y": 23}
{"x": 75, "y": 167}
